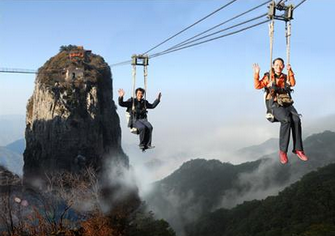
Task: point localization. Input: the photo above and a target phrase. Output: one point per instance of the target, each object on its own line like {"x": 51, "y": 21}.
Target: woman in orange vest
{"x": 280, "y": 101}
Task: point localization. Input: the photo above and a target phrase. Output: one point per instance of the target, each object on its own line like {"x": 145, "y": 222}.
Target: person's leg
{"x": 296, "y": 130}
{"x": 148, "y": 132}
{"x": 283, "y": 116}
{"x": 141, "y": 129}
{"x": 297, "y": 135}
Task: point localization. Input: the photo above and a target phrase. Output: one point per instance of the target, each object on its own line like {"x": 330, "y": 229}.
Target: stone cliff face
{"x": 71, "y": 116}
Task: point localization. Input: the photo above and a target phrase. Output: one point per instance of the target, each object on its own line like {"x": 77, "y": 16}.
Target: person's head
{"x": 139, "y": 93}
{"x": 278, "y": 65}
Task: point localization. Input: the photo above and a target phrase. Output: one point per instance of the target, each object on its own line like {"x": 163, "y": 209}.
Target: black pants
{"x": 289, "y": 120}
{"x": 145, "y": 131}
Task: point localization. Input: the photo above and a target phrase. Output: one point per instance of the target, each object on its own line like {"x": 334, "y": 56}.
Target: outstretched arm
{"x": 121, "y": 102}
{"x": 259, "y": 84}
{"x": 155, "y": 103}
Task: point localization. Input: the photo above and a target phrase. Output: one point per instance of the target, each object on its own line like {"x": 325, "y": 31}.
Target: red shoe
{"x": 301, "y": 155}
{"x": 283, "y": 157}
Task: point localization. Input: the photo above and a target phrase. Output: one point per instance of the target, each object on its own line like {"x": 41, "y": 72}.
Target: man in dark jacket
{"x": 138, "y": 111}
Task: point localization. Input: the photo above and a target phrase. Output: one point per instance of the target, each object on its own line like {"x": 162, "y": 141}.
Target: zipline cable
{"x": 208, "y": 35}
{"x": 185, "y": 42}
{"x": 214, "y": 27}
{"x": 211, "y": 39}
{"x": 182, "y": 43}
{"x": 195, "y": 44}
{"x": 16, "y": 70}
{"x": 120, "y": 63}
{"x": 183, "y": 30}
{"x": 193, "y": 41}
{"x": 192, "y": 45}
{"x": 25, "y": 71}
{"x": 299, "y": 4}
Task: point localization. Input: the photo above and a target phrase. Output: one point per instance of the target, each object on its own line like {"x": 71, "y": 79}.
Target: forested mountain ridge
{"x": 304, "y": 208}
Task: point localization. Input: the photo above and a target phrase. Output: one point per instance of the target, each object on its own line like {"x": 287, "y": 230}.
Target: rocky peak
{"x": 71, "y": 119}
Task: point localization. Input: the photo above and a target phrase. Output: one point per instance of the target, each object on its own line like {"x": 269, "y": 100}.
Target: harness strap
{"x": 145, "y": 73}
{"x": 271, "y": 31}
{"x": 288, "y": 42}
{"x": 134, "y": 83}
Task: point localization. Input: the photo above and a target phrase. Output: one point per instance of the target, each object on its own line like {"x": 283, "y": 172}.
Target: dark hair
{"x": 140, "y": 89}
{"x": 278, "y": 59}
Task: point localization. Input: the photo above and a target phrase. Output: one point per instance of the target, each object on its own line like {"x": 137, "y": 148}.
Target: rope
{"x": 197, "y": 22}
{"x": 134, "y": 83}
{"x": 288, "y": 41}
{"x": 145, "y": 72}
{"x": 269, "y": 114}
{"x": 271, "y": 31}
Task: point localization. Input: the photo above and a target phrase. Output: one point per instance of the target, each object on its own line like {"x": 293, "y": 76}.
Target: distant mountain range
{"x": 11, "y": 128}
{"x": 195, "y": 188}
{"x": 12, "y": 160}
{"x": 12, "y": 142}
{"x": 256, "y": 151}
{"x": 324, "y": 123}
{"x": 11, "y": 156}
{"x": 305, "y": 208}
{"x": 200, "y": 186}
{"x": 17, "y": 146}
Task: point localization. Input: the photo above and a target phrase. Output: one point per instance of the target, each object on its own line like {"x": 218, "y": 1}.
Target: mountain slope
{"x": 201, "y": 186}
{"x": 13, "y": 161}
{"x": 7, "y": 178}
{"x": 11, "y": 128}
{"x": 256, "y": 151}
{"x": 305, "y": 208}
{"x": 194, "y": 189}
{"x": 17, "y": 146}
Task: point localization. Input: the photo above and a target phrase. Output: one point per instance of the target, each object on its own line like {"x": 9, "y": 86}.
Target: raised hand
{"x": 288, "y": 67}
{"x": 121, "y": 92}
{"x": 159, "y": 96}
{"x": 256, "y": 68}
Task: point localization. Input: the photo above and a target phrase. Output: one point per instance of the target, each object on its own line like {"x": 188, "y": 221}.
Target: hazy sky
{"x": 209, "y": 105}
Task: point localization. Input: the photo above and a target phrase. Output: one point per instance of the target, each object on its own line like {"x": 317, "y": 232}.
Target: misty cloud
{"x": 176, "y": 209}
{"x": 258, "y": 184}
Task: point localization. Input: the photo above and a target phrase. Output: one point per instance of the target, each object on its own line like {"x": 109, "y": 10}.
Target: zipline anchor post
{"x": 274, "y": 8}
{"x": 140, "y": 60}
{"x": 289, "y": 13}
